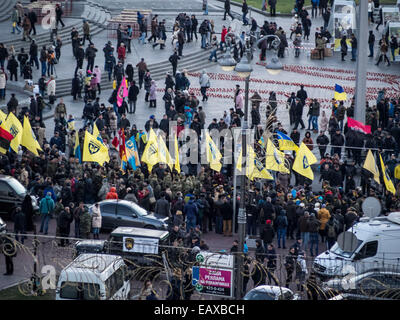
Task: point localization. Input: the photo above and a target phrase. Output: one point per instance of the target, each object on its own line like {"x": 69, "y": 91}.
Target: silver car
{"x": 123, "y": 213}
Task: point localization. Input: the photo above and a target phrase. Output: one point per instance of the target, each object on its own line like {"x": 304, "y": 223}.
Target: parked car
{"x": 382, "y": 284}
{"x": 271, "y": 293}
{"x": 12, "y": 194}
{"x": 123, "y": 213}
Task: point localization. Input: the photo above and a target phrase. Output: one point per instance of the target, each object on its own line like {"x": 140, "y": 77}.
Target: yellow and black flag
{"x": 304, "y": 159}
{"x": 150, "y": 153}
{"x": 94, "y": 150}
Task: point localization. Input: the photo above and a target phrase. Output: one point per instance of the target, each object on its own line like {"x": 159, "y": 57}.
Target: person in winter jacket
{"x": 313, "y": 227}
{"x": 191, "y": 211}
{"x": 331, "y": 232}
{"x": 290, "y": 264}
{"x": 46, "y": 207}
{"x": 204, "y": 81}
{"x": 112, "y": 194}
{"x": 323, "y": 217}
{"x": 267, "y": 234}
{"x": 63, "y": 222}
{"x": 85, "y": 225}
{"x": 281, "y": 225}
{"x": 260, "y": 251}
{"x": 301, "y": 270}
{"x": 153, "y": 95}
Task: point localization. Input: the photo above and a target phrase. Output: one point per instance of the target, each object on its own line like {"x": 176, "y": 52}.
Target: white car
{"x": 271, "y": 293}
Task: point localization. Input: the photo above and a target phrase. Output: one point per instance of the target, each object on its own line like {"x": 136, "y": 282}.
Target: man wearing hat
{"x": 267, "y": 233}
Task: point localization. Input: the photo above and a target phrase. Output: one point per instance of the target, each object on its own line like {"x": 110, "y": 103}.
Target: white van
{"x": 377, "y": 249}
{"x": 94, "y": 277}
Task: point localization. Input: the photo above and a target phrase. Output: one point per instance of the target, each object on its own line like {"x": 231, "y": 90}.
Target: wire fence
{"x": 170, "y": 267}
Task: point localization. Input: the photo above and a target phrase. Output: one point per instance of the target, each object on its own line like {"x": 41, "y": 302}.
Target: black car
{"x": 123, "y": 213}
{"x": 12, "y": 194}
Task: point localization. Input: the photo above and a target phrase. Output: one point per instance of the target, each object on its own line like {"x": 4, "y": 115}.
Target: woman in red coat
{"x": 122, "y": 52}
{"x": 112, "y": 194}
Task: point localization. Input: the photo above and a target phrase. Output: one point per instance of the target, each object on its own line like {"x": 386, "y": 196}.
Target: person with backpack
{"x": 281, "y": 226}
{"x": 332, "y": 231}
{"x": 46, "y": 208}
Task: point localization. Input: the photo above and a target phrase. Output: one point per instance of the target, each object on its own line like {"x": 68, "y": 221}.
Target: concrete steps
{"x": 192, "y": 62}
{"x": 97, "y": 17}
{"x": 6, "y": 8}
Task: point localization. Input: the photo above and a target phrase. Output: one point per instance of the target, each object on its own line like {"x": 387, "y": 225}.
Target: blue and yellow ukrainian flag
{"x": 285, "y": 143}
{"x": 340, "y": 95}
{"x": 132, "y": 155}
{"x": 77, "y": 148}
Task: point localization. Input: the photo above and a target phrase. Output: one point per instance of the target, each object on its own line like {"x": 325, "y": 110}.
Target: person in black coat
{"x": 76, "y": 87}
{"x": 132, "y": 96}
{"x": 64, "y": 223}
{"x": 271, "y": 256}
{"x": 129, "y": 71}
{"x": 12, "y": 67}
{"x": 259, "y": 274}
{"x": 267, "y": 233}
{"x": 299, "y": 114}
{"x": 19, "y": 224}
{"x": 27, "y": 209}
{"x": 174, "y": 61}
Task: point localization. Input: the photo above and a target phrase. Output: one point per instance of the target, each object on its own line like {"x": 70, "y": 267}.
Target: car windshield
{"x": 80, "y": 291}
{"x": 347, "y": 254}
{"x": 258, "y": 295}
{"x": 17, "y": 187}
{"x": 139, "y": 210}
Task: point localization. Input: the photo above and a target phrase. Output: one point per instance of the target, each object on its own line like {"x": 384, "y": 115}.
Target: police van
{"x": 94, "y": 277}
{"x": 376, "y": 248}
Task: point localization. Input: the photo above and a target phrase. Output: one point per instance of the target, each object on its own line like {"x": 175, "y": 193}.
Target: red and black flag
{"x": 5, "y": 140}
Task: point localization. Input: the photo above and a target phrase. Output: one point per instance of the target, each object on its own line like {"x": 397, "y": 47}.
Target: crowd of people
{"x": 201, "y": 200}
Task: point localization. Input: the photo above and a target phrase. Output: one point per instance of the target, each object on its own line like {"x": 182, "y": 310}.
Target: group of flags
{"x": 13, "y": 134}
{"x": 156, "y": 151}
{"x": 371, "y": 166}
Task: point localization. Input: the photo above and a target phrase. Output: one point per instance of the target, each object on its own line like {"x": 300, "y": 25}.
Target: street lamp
{"x": 227, "y": 63}
{"x": 274, "y": 66}
{"x": 244, "y": 69}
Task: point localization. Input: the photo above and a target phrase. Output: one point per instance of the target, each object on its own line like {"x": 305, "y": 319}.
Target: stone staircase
{"x": 194, "y": 61}
{"x": 6, "y": 8}
{"x": 96, "y": 15}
